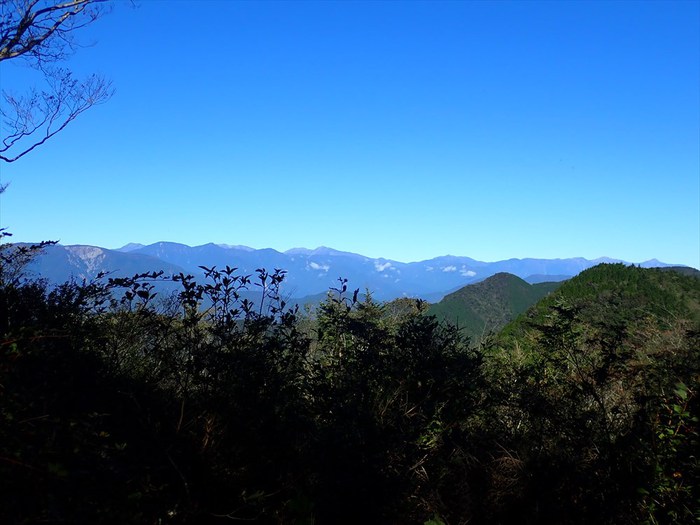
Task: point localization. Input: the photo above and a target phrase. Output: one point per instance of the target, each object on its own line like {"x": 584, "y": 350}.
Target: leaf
{"x": 681, "y": 391}
{"x": 58, "y": 470}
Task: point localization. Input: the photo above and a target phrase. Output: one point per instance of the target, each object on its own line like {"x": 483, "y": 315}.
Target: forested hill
{"x": 489, "y": 305}
{"x": 596, "y": 388}
{"x": 606, "y": 290}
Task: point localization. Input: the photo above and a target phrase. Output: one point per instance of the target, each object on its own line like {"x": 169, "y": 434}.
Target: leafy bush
{"x": 121, "y": 406}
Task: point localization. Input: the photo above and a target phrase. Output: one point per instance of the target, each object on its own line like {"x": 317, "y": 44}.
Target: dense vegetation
{"x": 487, "y": 306}
{"x": 119, "y": 406}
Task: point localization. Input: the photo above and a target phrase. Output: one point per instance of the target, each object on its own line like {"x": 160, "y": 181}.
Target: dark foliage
{"x": 120, "y": 406}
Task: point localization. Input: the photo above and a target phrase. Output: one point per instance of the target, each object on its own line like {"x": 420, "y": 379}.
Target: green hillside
{"x": 594, "y": 390}
{"x": 608, "y": 290}
{"x": 683, "y": 270}
{"x": 489, "y": 305}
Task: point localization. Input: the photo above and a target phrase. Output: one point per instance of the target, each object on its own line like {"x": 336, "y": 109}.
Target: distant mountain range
{"x": 309, "y": 272}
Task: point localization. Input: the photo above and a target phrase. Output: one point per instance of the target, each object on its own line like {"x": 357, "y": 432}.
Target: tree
{"x": 42, "y": 33}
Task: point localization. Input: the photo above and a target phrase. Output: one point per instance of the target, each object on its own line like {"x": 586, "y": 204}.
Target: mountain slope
{"x": 59, "y": 264}
{"x": 490, "y": 304}
{"x": 607, "y": 363}
{"x": 601, "y": 293}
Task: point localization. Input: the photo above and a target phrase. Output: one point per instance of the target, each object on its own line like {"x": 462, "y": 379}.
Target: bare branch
{"x": 45, "y": 33}
{"x": 42, "y": 33}
{"x": 47, "y": 113}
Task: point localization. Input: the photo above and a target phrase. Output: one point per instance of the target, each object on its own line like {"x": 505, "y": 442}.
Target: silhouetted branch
{"x": 42, "y": 115}
{"x": 41, "y": 32}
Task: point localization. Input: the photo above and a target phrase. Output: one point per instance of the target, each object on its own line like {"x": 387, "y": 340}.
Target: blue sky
{"x": 401, "y": 130}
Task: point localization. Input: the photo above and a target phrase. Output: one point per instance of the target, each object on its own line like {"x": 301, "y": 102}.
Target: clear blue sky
{"x": 402, "y": 130}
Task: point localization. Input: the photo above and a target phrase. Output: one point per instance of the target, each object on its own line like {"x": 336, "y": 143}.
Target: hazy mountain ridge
{"x": 309, "y": 271}
{"x": 59, "y": 263}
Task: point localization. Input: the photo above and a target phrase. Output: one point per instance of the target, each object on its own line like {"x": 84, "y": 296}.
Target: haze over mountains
{"x": 309, "y": 272}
